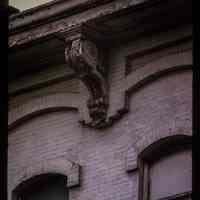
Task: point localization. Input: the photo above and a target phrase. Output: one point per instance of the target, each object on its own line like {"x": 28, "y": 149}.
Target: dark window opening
{"x": 166, "y": 170}
{"x": 43, "y": 187}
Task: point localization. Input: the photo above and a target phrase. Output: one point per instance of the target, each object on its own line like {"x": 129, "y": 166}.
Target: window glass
{"x": 171, "y": 175}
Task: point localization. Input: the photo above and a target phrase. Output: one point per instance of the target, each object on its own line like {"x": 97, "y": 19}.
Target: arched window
{"x": 43, "y": 187}
{"x": 166, "y": 170}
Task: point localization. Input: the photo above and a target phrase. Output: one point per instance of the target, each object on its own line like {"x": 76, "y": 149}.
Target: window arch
{"x": 62, "y": 171}
{"x": 41, "y": 187}
{"x": 165, "y": 169}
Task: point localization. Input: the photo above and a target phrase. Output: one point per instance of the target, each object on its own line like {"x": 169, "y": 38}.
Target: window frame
{"x": 154, "y": 152}
{"x": 28, "y": 184}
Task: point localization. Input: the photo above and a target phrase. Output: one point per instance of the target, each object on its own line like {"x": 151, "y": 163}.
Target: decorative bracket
{"x": 86, "y": 60}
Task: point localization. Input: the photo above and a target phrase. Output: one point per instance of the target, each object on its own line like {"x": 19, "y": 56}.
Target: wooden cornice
{"x": 49, "y": 12}
{"x": 50, "y": 19}
{"x": 55, "y": 10}
{"x": 59, "y": 10}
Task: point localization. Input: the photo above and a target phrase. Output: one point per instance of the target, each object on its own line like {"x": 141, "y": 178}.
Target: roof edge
{"x": 44, "y": 11}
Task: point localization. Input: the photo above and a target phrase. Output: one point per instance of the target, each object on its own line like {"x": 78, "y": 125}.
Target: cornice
{"x": 49, "y": 12}
{"x": 79, "y": 44}
{"x": 55, "y": 10}
{"x": 60, "y": 9}
{"x": 46, "y": 21}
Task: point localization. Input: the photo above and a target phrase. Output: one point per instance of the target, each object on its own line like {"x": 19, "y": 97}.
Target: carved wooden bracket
{"x": 86, "y": 60}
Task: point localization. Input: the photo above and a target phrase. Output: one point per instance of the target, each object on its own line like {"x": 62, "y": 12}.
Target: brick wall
{"x": 158, "y": 109}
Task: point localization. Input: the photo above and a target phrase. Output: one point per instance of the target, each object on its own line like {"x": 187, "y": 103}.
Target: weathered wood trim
{"x": 100, "y": 13}
{"x": 43, "y": 14}
{"x": 61, "y": 7}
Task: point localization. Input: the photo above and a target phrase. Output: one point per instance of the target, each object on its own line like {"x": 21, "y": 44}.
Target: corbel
{"x": 87, "y": 60}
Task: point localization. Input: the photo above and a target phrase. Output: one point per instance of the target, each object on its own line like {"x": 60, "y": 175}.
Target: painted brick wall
{"x": 49, "y": 136}
{"x": 166, "y": 112}
{"x": 69, "y": 86}
{"x": 158, "y": 109}
{"x": 166, "y": 105}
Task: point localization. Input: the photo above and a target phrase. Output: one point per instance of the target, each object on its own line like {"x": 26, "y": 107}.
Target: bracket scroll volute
{"x": 86, "y": 59}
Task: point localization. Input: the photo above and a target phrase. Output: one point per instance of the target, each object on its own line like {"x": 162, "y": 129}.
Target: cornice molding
{"x": 53, "y": 17}
{"x": 59, "y": 6}
{"x": 57, "y": 9}
{"x": 34, "y": 25}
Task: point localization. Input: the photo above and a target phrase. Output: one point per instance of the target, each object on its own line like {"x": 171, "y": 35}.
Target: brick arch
{"x": 56, "y": 166}
{"x": 163, "y": 143}
{"x": 151, "y": 138}
{"x": 135, "y": 150}
{"x": 157, "y": 68}
{"x": 176, "y": 62}
{"x": 41, "y": 105}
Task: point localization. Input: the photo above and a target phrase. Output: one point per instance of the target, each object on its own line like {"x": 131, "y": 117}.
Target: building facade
{"x": 100, "y": 101}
